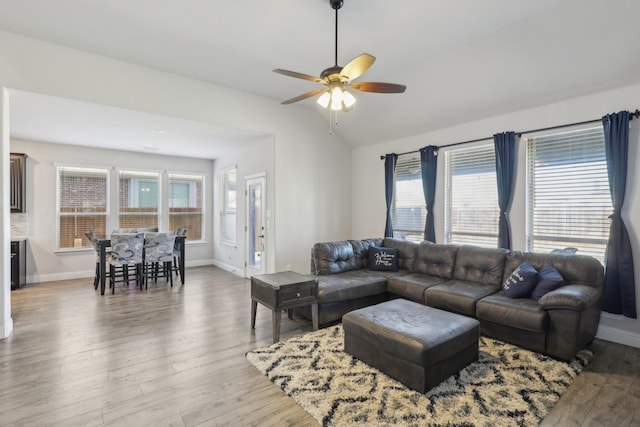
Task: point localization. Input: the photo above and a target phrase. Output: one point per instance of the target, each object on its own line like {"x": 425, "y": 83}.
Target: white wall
{"x": 368, "y": 174}
{"x": 43, "y": 262}
{"x": 312, "y": 176}
{"x": 258, "y": 157}
{"x": 308, "y": 193}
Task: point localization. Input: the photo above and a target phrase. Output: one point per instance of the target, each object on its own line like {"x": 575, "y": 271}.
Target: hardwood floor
{"x": 175, "y": 357}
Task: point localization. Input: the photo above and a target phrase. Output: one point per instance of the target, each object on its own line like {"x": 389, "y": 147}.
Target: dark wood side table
{"x": 283, "y": 291}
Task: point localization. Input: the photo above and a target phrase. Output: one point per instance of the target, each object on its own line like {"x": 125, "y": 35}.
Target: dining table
{"x": 104, "y": 243}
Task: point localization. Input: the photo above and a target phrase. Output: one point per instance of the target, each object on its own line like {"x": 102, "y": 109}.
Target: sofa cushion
{"x": 521, "y": 282}
{"x": 459, "y": 296}
{"x": 407, "y": 251}
{"x": 480, "y": 265}
{"x": 383, "y": 259}
{"x": 523, "y": 313}
{"x": 350, "y": 285}
{"x": 334, "y": 257}
{"x": 412, "y": 285}
{"x": 361, "y": 250}
{"x": 549, "y": 278}
{"x": 435, "y": 260}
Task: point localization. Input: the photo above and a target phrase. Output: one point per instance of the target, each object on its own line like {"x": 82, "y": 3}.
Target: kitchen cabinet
{"x": 17, "y": 177}
{"x": 18, "y": 263}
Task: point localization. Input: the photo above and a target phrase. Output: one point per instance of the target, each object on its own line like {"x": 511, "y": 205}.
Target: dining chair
{"x": 158, "y": 250}
{"x": 93, "y": 240}
{"x": 177, "y": 250}
{"x": 126, "y": 251}
{"x": 91, "y": 236}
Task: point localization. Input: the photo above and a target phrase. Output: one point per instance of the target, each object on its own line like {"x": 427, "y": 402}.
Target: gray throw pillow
{"x": 548, "y": 279}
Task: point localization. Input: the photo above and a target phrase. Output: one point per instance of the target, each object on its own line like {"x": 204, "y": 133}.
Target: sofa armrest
{"x": 572, "y": 297}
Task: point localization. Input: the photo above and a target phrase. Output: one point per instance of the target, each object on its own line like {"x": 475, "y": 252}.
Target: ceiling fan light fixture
{"x": 324, "y": 99}
{"x": 336, "y": 98}
{"x": 337, "y": 79}
{"x": 348, "y": 99}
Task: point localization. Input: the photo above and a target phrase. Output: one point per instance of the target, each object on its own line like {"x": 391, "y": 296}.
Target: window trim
{"x": 529, "y": 191}
{"x": 448, "y": 196}
{"x": 192, "y": 192}
{"x": 135, "y": 198}
{"x": 224, "y": 209}
{"x": 60, "y": 167}
{"x": 409, "y": 234}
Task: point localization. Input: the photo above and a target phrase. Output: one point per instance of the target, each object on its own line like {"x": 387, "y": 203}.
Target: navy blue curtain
{"x": 429, "y": 167}
{"x": 390, "y": 161}
{"x": 505, "y": 146}
{"x": 619, "y": 282}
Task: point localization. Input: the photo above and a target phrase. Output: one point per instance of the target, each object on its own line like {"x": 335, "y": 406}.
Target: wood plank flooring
{"x": 175, "y": 357}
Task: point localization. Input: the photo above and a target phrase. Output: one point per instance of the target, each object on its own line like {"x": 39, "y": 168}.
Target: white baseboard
{"x": 619, "y": 336}
{"x": 199, "y": 263}
{"x": 6, "y": 329}
{"x": 230, "y": 268}
{"x": 88, "y": 274}
{"x": 54, "y": 277}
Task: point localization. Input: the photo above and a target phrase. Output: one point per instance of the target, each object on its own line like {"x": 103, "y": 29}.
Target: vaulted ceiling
{"x": 461, "y": 60}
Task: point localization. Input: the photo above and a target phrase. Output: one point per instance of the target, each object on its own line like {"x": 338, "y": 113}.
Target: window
{"x": 138, "y": 199}
{"x": 83, "y": 196}
{"x": 471, "y": 196}
{"x": 408, "y": 211}
{"x": 568, "y": 198}
{"x": 228, "y": 203}
{"x": 186, "y": 193}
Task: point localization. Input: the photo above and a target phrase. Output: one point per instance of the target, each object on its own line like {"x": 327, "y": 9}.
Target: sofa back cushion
{"x": 407, "y": 251}
{"x": 334, "y": 257}
{"x": 435, "y": 259}
{"x": 481, "y": 265}
{"x": 361, "y": 250}
{"x": 575, "y": 269}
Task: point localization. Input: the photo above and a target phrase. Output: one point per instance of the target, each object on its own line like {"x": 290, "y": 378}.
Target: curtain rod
{"x": 635, "y": 114}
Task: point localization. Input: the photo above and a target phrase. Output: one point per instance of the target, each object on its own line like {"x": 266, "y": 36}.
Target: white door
{"x": 255, "y": 236}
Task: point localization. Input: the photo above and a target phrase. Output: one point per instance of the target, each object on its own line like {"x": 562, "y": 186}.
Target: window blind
{"x": 408, "y": 212}
{"x": 82, "y": 205}
{"x": 568, "y": 198}
{"x": 186, "y": 204}
{"x": 228, "y": 211}
{"x": 471, "y": 196}
{"x": 138, "y": 199}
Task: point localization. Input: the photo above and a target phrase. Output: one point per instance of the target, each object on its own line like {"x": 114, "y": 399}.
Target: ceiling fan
{"x": 338, "y": 79}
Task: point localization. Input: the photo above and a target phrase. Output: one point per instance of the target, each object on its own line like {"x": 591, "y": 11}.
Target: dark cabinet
{"x": 17, "y": 176}
{"x": 18, "y": 263}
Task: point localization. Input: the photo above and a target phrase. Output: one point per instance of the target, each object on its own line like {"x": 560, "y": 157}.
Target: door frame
{"x": 249, "y": 179}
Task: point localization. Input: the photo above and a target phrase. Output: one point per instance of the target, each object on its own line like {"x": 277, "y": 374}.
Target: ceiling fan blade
{"x": 378, "y": 87}
{"x": 303, "y": 96}
{"x": 299, "y": 75}
{"x": 357, "y": 66}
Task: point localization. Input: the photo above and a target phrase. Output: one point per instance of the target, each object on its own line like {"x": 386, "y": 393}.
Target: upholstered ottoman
{"x": 419, "y": 346}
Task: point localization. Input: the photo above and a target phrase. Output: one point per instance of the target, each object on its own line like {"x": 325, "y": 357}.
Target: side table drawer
{"x": 298, "y": 293}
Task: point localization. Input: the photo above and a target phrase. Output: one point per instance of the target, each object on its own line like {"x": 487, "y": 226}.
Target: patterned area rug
{"x": 508, "y": 386}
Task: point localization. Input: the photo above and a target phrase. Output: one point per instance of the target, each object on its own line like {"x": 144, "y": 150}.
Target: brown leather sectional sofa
{"x": 466, "y": 280}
